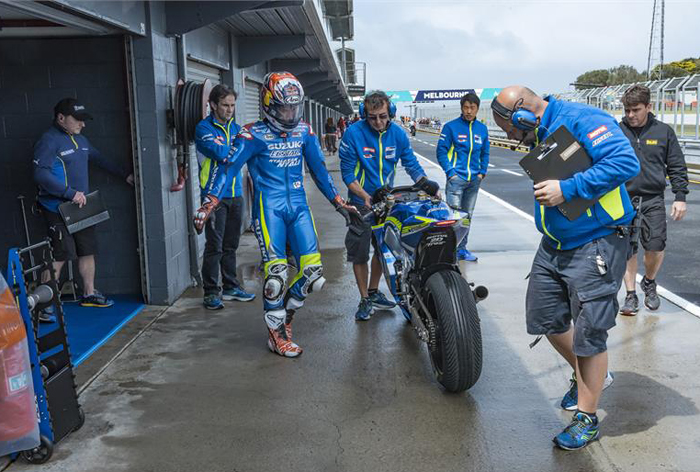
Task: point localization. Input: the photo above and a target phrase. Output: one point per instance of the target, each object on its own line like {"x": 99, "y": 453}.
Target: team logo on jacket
{"x": 269, "y": 137}
{"x": 65, "y": 153}
{"x": 597, "y": 131}
{"x": 294, "y": 161}
{"x": 601, "y": 138}
{"x": 367, "y": 152}
{"x": 477, "y": 139}
{"x": 652, "y": 142}
{"x": 245, "y": 134}
{"x": 390, "y": 152}
{"x": 462, "y": 138}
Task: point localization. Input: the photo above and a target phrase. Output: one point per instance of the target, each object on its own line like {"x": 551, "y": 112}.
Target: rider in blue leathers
{"x": 275, "y": 150}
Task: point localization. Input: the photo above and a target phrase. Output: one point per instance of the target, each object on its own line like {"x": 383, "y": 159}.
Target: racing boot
{"x": 204, "y": 212}
{"x": 278, "y": 341}
{"x": 291, "y": 305}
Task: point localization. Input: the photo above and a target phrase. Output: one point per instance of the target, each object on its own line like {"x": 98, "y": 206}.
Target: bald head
{"x": 518, "y": 96}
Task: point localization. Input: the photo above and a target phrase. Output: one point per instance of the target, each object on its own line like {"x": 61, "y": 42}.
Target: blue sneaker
{"x": 570, "y": 400}
{"x": 213, "y": 302}
{"x": 96, "y": 300}
{"x": 237, "y": 294}
{"x": 380, "y": 302}
{"x": 582, "y": 430}
{"x": 47, "y": 315}
{"x": 364, "y": 310}
{"x": 465, "y": 255}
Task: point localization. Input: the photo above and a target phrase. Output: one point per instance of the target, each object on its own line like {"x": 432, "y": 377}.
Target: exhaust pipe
{"x": 480, "y": 293}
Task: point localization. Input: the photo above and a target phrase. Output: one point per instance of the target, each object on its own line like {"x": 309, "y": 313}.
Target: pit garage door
{"x": 198, "y": 72}
{"x": 252, "y": 101}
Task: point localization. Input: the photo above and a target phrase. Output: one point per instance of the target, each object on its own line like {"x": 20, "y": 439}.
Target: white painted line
{"x": 511, "y": 172}
{"x": 680, "y": 302}
{"x": 427, "y": 160}
{"x": 491, "y": 165}
{"x": 504, "y": 203}
{"x": 431, "y": 144}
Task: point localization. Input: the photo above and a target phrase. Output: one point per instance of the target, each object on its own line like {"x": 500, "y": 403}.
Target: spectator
{"x": 341, "y": 127}
{"x": 331, "y": 136}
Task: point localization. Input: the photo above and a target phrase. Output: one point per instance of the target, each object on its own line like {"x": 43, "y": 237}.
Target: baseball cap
{"x": 72, "y": 107}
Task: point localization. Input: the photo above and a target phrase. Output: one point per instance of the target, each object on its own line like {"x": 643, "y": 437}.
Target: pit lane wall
{"x": 123, "y": 63}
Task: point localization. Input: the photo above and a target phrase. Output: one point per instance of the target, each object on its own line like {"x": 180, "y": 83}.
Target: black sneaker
{"x": 96, "y": 300}
{"x": 651, "y": 298}
{"x": 631, "y": 306}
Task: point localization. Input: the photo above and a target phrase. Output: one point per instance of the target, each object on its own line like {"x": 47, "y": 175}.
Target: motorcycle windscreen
{"x": 437, "y": 245}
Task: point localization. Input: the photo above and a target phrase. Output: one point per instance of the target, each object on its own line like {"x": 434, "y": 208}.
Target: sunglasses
{"x": 383, "y": 116}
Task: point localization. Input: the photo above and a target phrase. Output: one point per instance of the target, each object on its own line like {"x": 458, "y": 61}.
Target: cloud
{"x": 544, "y": 44}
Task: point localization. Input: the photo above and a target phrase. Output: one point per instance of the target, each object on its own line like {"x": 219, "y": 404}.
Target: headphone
{"x": 521, "y": 118}
{"x": 392, "y": 106}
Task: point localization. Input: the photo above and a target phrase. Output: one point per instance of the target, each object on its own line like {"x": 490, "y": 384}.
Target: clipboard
{"x": 559, "y": 157}
{"x": 92, "y": 213}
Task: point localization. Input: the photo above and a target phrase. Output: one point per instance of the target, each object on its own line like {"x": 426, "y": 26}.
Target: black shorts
{"x": 578, "y": 285}
{"x": 358, "y": 245}
{"x": 66, "y": 246}
{"x": 653, "y": 234}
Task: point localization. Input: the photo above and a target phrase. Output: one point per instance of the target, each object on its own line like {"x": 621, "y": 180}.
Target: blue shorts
{"x": 578, "y": 285}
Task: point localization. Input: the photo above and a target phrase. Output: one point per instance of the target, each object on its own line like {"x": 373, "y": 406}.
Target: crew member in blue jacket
{"x": 61, "y": 172}
{"x": 579, "y": 265}
{"x": 369, "y": 152}
{"x": 463, "y": 153}
{"x": 275, "y": 150}
{"x": 214, "y": 138}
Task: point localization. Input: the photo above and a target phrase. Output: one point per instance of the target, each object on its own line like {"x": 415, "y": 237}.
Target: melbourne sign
{"x": 435, "y": 95}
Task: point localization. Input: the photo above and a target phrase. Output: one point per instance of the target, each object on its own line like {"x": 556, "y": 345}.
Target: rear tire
{"x": 457, "y": 357}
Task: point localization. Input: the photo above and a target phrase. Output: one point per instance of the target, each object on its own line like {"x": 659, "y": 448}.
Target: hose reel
{"x": 191, "y": 107}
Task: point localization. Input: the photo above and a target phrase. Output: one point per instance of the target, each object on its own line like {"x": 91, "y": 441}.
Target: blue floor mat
{"x": 90, "y": 328}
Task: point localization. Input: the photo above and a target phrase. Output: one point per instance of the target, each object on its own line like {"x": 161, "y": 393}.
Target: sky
{"x": 544, "y": 44}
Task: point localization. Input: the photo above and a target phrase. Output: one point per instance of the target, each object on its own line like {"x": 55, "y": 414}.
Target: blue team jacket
{"x": 61, "y": 166}
{"x": 371, "y": 157}
{"x": 463, "y": 148}
{"x": 614, "y": 163}
{"x": 214, "y": 143}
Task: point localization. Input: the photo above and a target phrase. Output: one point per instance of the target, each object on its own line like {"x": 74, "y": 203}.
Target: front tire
{"x": 456, "y": 351}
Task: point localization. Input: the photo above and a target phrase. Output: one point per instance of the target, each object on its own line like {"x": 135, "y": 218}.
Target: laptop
{"x": 92, "y": 213}
{"x": 559, "y": 157}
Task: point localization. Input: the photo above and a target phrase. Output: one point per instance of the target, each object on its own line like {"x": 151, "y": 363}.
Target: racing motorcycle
{"x": 418, "y": 235}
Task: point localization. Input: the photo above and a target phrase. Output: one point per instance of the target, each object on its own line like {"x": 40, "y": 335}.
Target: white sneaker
{"x": 609, "y": 379}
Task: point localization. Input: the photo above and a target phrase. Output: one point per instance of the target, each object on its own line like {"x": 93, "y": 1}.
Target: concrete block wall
{"x": 166, "y": 224}
{"x": 34, "y": 75}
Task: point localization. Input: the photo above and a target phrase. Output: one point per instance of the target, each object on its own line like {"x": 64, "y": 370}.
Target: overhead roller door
{"x": 252, "y": 101}
{"x": 198, "y": 72}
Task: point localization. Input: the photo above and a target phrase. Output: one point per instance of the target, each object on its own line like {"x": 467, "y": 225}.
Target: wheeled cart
{"x": 58, "y": 410}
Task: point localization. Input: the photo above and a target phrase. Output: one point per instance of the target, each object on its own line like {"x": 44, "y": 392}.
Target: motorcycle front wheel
{"x": 456, "y": 351}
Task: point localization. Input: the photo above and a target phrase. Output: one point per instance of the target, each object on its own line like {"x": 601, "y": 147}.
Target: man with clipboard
{"x": 61, "y": 172}
{"x": 579, "y": 265}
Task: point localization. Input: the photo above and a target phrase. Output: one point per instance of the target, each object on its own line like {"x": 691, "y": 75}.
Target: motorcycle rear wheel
{"x": 457, "y": 357}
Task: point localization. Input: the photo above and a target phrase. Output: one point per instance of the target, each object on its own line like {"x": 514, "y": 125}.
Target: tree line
{"x": 625, "y": 74}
